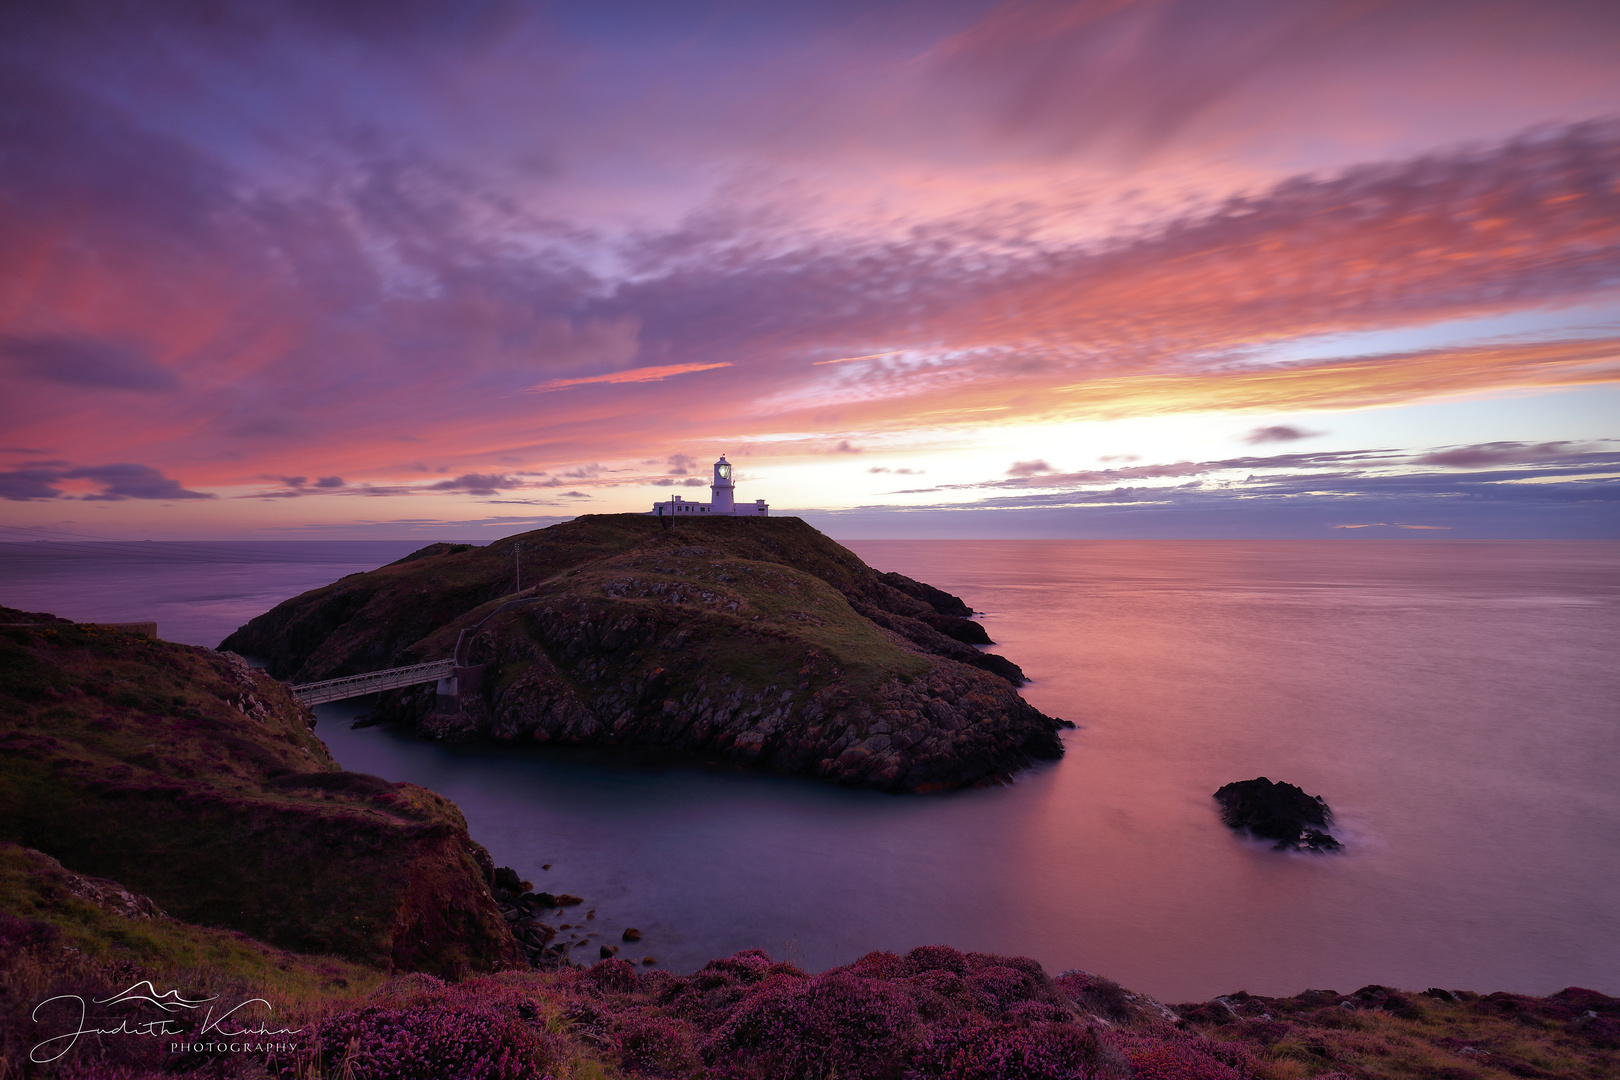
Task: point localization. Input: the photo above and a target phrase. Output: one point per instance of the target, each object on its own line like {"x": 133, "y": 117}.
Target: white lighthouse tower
{"x": 721, "y": 489}
{"x": 724, "y": 502}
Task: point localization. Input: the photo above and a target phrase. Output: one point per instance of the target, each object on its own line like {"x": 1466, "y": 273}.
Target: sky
{"x": 1089, "y": 268}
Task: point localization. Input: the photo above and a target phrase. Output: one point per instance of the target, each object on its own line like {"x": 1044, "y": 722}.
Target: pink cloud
{"x": 636, "y": 375}
{"x": 1278, "y": 433}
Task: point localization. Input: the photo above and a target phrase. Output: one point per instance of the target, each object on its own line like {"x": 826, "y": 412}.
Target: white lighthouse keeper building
{"x": 722, "y": 499}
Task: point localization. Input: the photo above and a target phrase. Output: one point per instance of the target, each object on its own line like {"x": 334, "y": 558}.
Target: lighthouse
{"x": 722, "y": 504}
{"x": 721, "y": 488}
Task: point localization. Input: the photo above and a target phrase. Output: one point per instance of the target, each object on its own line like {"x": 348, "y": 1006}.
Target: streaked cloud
{"x": 1489, "y": 455}
{"x": 635, "y": 375}
{"x": 477, "y": 484}
{"x": 1391, "y": 525}
{"x": 115, "y": 482}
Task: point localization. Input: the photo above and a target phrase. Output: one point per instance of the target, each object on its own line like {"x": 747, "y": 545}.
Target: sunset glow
{"x": 449, "y": 270}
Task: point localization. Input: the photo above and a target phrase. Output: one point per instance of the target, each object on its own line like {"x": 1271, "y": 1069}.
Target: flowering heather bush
{"x": 933, "y": 1013}
{"x": 945, "y": 983}
{"x": 475, "y": 1031}
{"x": 651, "y": 1045}
{"x": 588, "y": 1017}
{"x": 616, "y": 976}
{"x": 836, "y": 1023}
{"x": 1175, "y": 1055}
{"x": 1039, "y": 1012}
{"x": 1043, "y": 1051}
{"x": 931, "y": 958}
{"x": 1097, "y": 995}
{"x": 881, "y": 965}
{"x": 709, "y": 994}
{"x": 997, "y": 988}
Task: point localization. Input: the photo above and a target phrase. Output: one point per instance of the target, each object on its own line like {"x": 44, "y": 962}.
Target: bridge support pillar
{"x": 467, "y": 681}
{"x": 448, "y": 698}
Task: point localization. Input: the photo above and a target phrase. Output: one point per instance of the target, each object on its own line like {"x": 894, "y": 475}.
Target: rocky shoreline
{"x": 524, "y": 909}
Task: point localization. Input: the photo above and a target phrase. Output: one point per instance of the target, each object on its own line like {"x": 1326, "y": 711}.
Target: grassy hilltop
{"x": 752, "y": 640}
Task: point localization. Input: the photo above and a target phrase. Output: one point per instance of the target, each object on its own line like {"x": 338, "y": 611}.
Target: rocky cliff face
{"x": 198, "y": 781}
{"x": 756, "y": 641}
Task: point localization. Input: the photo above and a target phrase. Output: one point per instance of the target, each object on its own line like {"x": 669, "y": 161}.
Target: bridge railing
{"x": 372, "y": 681}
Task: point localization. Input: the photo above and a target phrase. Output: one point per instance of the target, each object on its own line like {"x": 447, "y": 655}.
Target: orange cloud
{"x": 1357, "y": 383}
{"x": 635, "y": 375}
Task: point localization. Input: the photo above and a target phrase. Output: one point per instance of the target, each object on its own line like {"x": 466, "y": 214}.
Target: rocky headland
{"x": 760, "y": 642}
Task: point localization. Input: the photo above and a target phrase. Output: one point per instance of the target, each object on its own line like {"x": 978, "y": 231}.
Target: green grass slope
{"x": 378, "y": 619}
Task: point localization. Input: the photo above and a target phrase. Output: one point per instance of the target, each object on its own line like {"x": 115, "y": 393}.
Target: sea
{"x": 1456, "y": 703}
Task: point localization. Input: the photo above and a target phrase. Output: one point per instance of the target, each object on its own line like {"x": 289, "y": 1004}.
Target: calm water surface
{"x": 1454, "y": 702}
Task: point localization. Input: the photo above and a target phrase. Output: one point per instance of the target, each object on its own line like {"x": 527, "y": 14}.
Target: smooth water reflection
{"x": 1455, "y": 703}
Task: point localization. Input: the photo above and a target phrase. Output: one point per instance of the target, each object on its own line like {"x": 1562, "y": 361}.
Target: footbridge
{"x": 372, "y": 681}
{"x": 454, "y": 676}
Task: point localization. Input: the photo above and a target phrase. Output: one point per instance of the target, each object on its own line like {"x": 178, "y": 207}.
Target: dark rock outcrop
{"x": 1277, "y": 811}
{"x": 194, "y": 779}
{"x": 760, "y": 642}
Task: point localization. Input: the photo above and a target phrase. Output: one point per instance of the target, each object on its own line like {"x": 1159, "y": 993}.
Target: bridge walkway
{"x": 372, "y": 681}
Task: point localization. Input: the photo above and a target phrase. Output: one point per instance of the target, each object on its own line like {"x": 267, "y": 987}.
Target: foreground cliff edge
{"x": 197, "y": 780}
{"x": 758, "y": 641}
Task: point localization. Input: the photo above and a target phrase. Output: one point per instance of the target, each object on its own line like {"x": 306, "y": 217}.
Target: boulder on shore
{"x": 1278, "y": 811}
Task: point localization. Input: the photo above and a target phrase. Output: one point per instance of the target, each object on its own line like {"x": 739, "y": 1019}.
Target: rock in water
{"x": 1278, "y": 811}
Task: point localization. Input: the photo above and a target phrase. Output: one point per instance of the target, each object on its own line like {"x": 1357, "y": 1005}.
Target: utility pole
{"x": 517, "y": 564}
